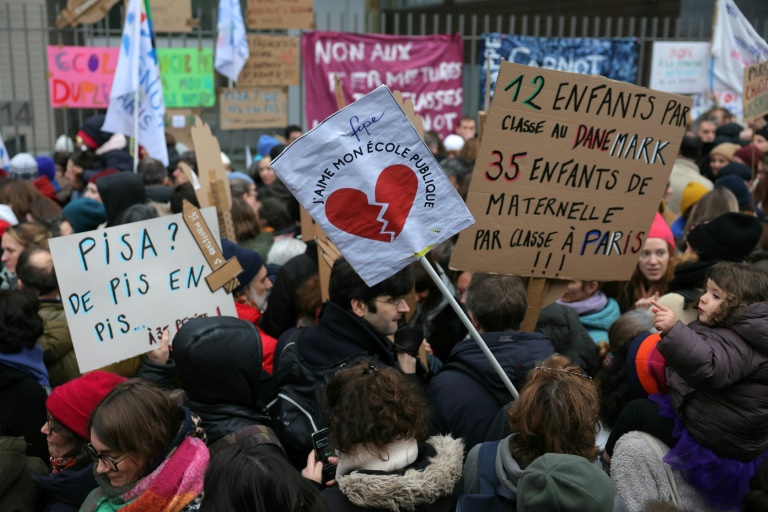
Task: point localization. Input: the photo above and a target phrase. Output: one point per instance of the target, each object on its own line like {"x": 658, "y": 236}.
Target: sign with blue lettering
{"x": 123, "y": 285}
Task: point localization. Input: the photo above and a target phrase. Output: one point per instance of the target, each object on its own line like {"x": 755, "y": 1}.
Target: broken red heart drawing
{"x": 350, "y": 210}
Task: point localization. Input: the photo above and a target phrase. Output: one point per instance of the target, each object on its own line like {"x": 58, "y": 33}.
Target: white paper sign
{"x": 367, "y": 178}
{"x": 680, "y": 66}
{"x": 123, "y": 285}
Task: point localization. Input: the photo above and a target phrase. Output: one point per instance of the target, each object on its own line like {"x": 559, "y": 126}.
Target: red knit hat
{"x": 71, "y": 404}
{"x": 660, "y": 229}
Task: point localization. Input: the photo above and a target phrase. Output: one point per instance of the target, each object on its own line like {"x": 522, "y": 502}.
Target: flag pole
{"x": 136, "y": 131}
{"x": 472, "y": 331}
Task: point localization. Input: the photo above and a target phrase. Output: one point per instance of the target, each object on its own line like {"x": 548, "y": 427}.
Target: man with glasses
{"x": 356, "y": 320}
{"x": 467, "y": 394}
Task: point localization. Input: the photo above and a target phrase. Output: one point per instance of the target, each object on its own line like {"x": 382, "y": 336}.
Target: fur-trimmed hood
{"x": 415, "y": 487}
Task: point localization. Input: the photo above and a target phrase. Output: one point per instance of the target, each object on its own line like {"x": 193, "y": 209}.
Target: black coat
{"x": 561, "y": 325}
{"x": 22, "y": 409}
{"x": 338, "y": 336}
{"x": 464, "y": 407}
{"x": 66, "y": 490}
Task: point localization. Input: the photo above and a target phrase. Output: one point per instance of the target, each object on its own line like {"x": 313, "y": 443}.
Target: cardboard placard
{"x": 187, "y": 75}
{"x": 274, "y": 60}
{"x": 80, "y": 76}
{"x": 253, "y": 107}
{"x": 570, "y": 172}
{"x": 179, "y": 122}
{"x": 172, "y": 15}
{"x": 83, "y": 11}
{"x": 755, "y": 95}
{"x": 286, "y": 14}
{"x": 122, "y": 286}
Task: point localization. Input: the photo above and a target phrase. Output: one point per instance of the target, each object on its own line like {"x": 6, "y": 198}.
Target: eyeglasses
{"x": 577, "y": 374}
{"x": 397, "y": 301}
{"x": 106, "y": 459}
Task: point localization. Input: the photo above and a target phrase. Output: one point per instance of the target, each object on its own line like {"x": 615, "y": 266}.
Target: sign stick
{"x": 472, "y": 331}
{"x": 136, "y": 131}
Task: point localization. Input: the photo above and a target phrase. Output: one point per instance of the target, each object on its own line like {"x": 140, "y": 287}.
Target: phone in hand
{"x": 321, "y": 440}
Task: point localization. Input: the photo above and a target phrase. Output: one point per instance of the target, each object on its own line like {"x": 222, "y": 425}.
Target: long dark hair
{"x": 255, "y": 479}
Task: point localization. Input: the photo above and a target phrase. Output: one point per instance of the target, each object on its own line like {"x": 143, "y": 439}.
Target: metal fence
{"x": 29, "y": 123}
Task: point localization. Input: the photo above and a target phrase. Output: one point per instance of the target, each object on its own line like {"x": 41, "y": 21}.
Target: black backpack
{"x": 297, "y": 409}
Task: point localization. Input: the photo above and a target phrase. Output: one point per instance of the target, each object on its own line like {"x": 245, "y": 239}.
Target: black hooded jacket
{"x": 118, "y": 192}
{"x": 463, "y": 404}
{"x": 218, "y": 360}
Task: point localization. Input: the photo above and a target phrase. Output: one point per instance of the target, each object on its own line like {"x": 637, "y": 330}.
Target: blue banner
{"x": 615, "y": 58}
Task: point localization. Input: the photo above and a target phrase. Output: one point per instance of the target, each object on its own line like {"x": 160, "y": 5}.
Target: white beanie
{"x": 23, "y": 166}
{"x": 64, "y": 145}
{"x": 453, "y": 142}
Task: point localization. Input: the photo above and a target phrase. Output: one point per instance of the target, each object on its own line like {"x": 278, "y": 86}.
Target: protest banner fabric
{"x": 172, "y": 15}
{"x": 680, "y": 67}
{"x": 231, "y": 44}
{"x": 755, "y": 91}
{"x": 257, "y": 107}
{"x": 274, "y": 60}
{"x": 187, "y": 75}
{"x": 735, "y": 45}
{"x": 81, "y": 76}
{"x": 373, "y": 186}
{"x": 615, "y": 58}
{"x": 426, "y": 69}
{"x": 122, "y": 286}
{"x": 137, "y": 71}
{"x": 268, "y": 14}
{"x": 4, "y": 158}
{"x": 569, "y": 175}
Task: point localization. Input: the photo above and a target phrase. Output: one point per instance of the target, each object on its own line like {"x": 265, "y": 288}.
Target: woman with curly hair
{"x": 378, "y": 426}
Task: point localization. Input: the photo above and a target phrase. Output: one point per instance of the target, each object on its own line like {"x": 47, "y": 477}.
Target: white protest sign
{"x": 367, "y": 178}
{"x": 680, "y": 66}
{"x": 123, "y": 285}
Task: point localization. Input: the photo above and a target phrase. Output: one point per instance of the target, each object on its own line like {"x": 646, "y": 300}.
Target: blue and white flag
{"x": 735, "y": 45}
{"x": 137, "y": 70}
{"x": 231, "y": 44}
{"x": 4, "y": 160}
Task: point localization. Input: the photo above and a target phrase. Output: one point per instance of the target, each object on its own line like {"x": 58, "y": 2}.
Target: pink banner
{"x": 426, "y": 69}
{"x": 80, "y": 76}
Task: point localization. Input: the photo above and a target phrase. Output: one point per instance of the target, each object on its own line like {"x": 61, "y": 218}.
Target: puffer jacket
{"x": 718, "y": 381}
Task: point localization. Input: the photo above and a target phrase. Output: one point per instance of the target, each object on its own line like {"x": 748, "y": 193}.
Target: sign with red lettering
{"x": 569, "y": 175}
{"x": 426, "y": 69}
{"x": 80, "y": 76}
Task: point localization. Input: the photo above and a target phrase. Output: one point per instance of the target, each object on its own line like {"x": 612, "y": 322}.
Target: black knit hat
{"x": 729, "y": 237}
{"x": 737, "y": 168}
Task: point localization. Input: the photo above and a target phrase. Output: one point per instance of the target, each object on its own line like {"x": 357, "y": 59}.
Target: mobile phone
{"x": 321, "y": 440}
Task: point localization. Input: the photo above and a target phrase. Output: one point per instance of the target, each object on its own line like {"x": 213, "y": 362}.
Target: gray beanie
{"x": 23, "y": 166}
{"x": 559, "y": 482}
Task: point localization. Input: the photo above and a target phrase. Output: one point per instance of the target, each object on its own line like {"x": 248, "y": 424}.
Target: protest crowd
{"x": 321, "y": 389}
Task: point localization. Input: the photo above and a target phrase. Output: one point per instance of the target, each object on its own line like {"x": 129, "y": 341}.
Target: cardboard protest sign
{"x": 273, "y": 60}
{"x": 83, "y": 11}
{"x": 179, "y": 122}
{"x": 570, "y": 172}
{"x": 426, "y": 69}
{"x": 268, "y": 14}
{"x": 373, "y": 186}
{"x": 187, "y": 75}
{"x": 172, "y": 15}
{"x": 80, "y": 76}
{"x": 680, "y": 66}
{"x": 122, "y": 286}
{"x": 755, "y": 91}
{"x": 254, "y": 107}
